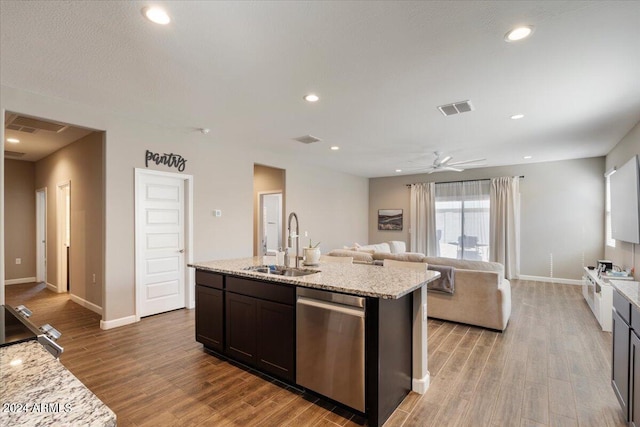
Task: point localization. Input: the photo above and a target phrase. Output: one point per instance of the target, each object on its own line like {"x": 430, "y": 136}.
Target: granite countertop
{"x": 356, "y": 279}
{"x": 628, "y": 289}
{"x": 40, "y": 391}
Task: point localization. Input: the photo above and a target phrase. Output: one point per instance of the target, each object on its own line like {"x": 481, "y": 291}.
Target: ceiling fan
{"x": 444, "y": 164}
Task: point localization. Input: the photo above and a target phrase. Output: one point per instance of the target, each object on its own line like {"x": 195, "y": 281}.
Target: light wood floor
{"x": 551, "y": 367}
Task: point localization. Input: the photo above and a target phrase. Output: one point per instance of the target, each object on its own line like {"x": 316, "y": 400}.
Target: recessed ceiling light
{"x": 157, "y": 15}
{"x": 517, "y": 116}
{"x": 335, "y": 148}
{"x": 13, "y": 140}
{"x": 527, "y": 157}
{"x": 519, "y": 33}
{"x": 398, "y": 170}
{"x": 312, "y": 97}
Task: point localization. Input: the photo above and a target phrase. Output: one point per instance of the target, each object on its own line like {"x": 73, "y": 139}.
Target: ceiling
{"x": 37, "y": 138}
{"x": 380, "y": 69}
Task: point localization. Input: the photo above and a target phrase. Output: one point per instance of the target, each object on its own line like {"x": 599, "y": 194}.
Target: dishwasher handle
{"x": 325, "y": 305}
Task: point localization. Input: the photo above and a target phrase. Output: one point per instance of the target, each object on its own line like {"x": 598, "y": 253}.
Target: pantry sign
{"x": 168, "y": 159}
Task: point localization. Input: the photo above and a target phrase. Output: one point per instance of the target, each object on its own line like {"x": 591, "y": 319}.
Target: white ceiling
{"x": 380, "y": 68}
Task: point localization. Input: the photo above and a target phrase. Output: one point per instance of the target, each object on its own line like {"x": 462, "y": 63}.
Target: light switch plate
{"x": 18, "y": 261}
{"x": 217, "y": 212}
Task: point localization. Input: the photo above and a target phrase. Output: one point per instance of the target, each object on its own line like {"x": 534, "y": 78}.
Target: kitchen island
{"x": 262, "y": 319}
{"x": 37, "y": 390}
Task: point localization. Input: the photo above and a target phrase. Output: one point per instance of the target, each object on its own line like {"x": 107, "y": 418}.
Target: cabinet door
{"x": 634, "y": 386}
{"x": 209, "y": 317}
{"x": 620, "y": 362}
{"x": 276, "y": 339}
{"x": 241, "y": 316}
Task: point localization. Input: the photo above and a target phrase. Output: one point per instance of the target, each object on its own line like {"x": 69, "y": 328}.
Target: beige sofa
{"x": 482, "y": 295}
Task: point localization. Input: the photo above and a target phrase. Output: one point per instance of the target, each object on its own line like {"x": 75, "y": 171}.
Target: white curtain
{"x": 505, "y": 224}
{"x": 462, "y": 219}
{"x": 422, "y": 217}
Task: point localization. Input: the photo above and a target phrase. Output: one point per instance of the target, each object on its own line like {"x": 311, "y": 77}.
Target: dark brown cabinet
{"x": 241, "y": 328}
{"x": 275, "y": 332}
{"x": 210, "y": 310}
{"x": 247, "y": 320}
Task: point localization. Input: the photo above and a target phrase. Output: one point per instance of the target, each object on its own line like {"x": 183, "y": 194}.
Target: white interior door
{"x": 41, "y": 235}
{"x": 160, "y": 243}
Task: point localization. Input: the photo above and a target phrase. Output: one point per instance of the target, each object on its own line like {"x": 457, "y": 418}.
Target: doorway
{"x": 41, "y": 235}
{"x": 63, "y": 244}
{"x": 270, "y": 224}
{"x": 268, "y": 209}
{"x": 163, "y": 218}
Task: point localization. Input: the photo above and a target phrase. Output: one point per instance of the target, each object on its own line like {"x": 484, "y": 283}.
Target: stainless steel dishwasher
{"x": 330, "y": 345}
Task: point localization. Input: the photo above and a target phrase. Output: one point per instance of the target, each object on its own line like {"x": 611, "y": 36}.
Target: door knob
{"x": 181, "y": 251}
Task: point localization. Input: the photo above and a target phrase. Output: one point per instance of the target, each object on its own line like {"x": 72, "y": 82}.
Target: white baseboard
{"x": 110, "y": 324}
{"x": 551, "y": 280}
{"x": 20, "y": 281}
{"x": 86, "y": 304}
{"x": 52, "y": 288}
{"x": 421, "y": 385}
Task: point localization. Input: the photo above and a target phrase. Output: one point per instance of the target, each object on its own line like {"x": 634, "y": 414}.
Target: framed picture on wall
{"x": 390, "y": 219}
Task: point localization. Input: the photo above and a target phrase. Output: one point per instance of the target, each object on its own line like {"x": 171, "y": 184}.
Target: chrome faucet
{"x": 297, "y": 237}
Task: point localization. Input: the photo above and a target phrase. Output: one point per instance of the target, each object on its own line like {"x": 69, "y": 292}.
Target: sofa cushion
{"x": 379, "y": 247}
{"x": 464, "y": 264}
{"x": 407, "y": 256}
{"x": 357, "y": 256}
{"x": 397, "y": 246}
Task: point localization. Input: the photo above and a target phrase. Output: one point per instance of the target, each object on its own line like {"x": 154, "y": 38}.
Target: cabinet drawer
{"x": 211, "y": 280}
{"x": 622, "y": 306}
{"x": 263, "y": 290}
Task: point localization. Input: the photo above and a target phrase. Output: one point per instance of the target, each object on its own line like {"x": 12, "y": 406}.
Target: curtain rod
{"x": 454, "y": 182}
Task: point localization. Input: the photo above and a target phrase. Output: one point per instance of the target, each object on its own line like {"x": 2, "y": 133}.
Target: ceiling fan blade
{"x": 466, "y": 162}
{"x": 449, "y": 168}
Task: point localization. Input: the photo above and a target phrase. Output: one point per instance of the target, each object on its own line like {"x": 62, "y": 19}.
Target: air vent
{"x": 31, "y": 125}
{"x": 307, "y": 139}
{"x": 456, "y": 108}
{"x": 14, "y": 154}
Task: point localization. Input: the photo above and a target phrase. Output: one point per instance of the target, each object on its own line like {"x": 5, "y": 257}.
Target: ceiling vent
{"x": 307, "y": 139}
{"x": 31, "y": 125}
{"x": 14, "y": 154}
{"x": 456, "y": 108}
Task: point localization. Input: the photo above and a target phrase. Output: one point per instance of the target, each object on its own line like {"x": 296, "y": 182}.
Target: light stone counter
{"x": 628, "y": 289}
{"x": 39, "y": 391}
{"x": 356, "y": 279}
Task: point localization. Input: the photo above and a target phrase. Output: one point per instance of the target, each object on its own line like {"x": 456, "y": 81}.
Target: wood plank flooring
{"x": 551, "y": 367}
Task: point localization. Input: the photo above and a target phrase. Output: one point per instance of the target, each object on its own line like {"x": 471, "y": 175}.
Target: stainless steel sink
{"x": 281, "y": 271}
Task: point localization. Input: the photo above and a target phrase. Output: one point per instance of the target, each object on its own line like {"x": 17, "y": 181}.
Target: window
{"x": 609, "y": 240}
{"x": 462, "y": 220}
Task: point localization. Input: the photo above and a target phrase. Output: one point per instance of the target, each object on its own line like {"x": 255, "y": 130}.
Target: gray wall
{"x": 623, "y": 254}
{"x": 562, "y": 212}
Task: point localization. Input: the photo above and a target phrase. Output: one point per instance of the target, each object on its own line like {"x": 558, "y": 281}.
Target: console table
{"x": 598, "y": 293}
